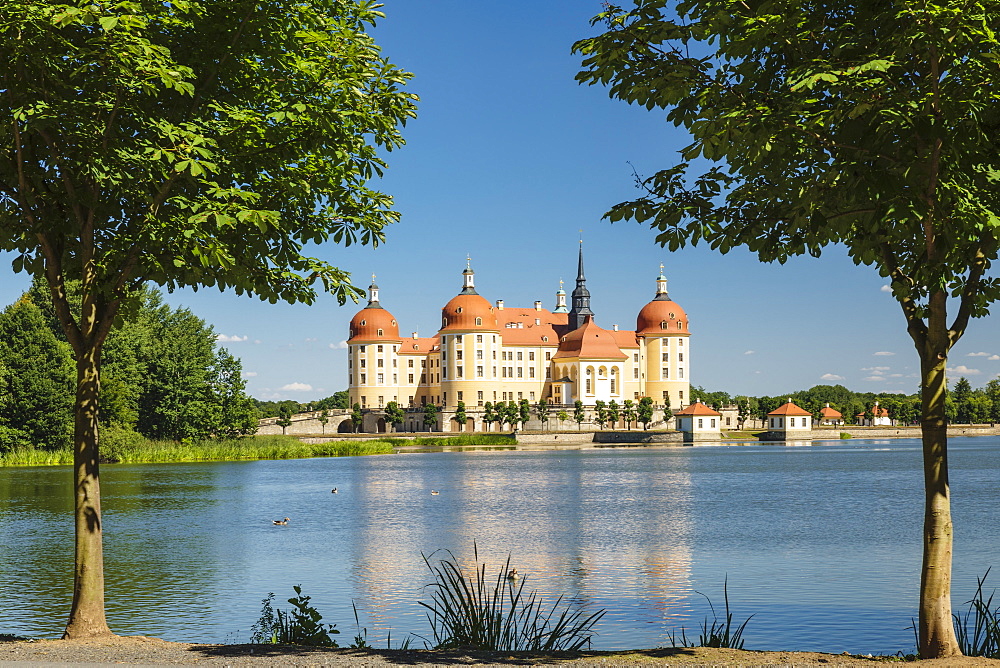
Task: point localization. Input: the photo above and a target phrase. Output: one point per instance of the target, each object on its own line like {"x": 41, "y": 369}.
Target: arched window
{"x": 680, "y": 325}
{"x": 363, "y": 322}
{"x": 479, "y": 321}
{"x": 663, "y": 324}
{"x": 380, "y": 332}
{"x": 444, "y": 322}
{"x": 458, "y": 310}
{"x": 393, "y": 323}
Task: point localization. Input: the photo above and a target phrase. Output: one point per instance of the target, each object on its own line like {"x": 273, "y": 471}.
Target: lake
{"x": 820, "y": 543}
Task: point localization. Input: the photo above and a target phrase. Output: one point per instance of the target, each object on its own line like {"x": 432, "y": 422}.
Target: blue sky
{"x": 508, "y": 161}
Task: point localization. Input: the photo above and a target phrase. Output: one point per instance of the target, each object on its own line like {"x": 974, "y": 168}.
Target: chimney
{"x": 414, "y": 335}
{"x": 538, "y": 306}
{"x": 614, "y": 327}
{"x": 499, "y": 304}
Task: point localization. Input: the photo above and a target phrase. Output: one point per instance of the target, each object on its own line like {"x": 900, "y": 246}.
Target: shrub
{"x": 301, "y": 626}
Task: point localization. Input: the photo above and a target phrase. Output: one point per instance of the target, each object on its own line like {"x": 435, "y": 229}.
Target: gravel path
{"x": 142, "y": 651}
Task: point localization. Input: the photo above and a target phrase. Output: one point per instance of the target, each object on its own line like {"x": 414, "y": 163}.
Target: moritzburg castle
{"x": 490, "y": 352}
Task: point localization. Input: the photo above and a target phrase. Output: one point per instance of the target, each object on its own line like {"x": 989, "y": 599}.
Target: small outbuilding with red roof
{"x": 699, "y": 422}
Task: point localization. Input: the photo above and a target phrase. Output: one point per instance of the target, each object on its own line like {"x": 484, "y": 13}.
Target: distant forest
{"x": 965, "y": 405}
{"x": 273, "y": 408}
{"x": 163, "y": 376}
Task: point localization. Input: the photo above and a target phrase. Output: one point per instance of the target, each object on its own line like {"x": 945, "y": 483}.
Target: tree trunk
{"x": 937, "y": 632}
{"x": 86, "y": 618}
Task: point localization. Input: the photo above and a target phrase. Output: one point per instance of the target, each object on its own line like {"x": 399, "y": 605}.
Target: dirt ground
{"x": 144, "y": 651}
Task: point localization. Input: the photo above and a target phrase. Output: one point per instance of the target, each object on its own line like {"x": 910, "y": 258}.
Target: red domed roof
{"x": 468, "y": 312}
{"x": 373, "y": 323}
{"x": 661, "y": 316}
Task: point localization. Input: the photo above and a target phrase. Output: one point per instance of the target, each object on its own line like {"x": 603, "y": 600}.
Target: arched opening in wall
{"x": 380, "y": 426}
{"x": 345, "y": 427}
{"x": 470, "y": 424}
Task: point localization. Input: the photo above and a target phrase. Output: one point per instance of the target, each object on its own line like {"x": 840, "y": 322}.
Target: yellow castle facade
{"x": 488, "y": 352}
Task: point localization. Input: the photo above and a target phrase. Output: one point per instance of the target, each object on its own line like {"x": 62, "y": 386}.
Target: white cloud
{"x": 886, "y": 288}
{"x": 963, "y": 370}
{"x": 895, "y": 375}
{"x": 235, "y": 338}
{"x": 750, "y": 352}
{"x": 311, "y": 340}
{"x": 979, "y": 355}
{"x": 249, "y": 374}
{"x": 339, "y": 345}
{"x": 297, "y": 387}
{"x": 875, "y": 378}
{"x": 831, "y": 376}
{"x": 875, "y": 369}
{"x": 993, "y": 358}
{"x": 884, "y": 353}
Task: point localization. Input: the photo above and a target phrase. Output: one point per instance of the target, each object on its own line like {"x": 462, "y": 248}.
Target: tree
{"x": 962, "y": 394}
{"x": 645, "y": 412}
{"x": 324, "y": 419}
{"x": 523, "y": 412}
{"x": 742, "y": 410}
{"x": 542, "y": 411}
{"x": 993, "y": 392}
{"x": 614, "y": 413}
{"x": 601, "y": 411}
{"x": 185, "y": 144}
{"x": 628, "y": 413}
{"x": 562, "y": 416}
{"x": 868, "y": 126}
{"x": 37, "y": 383}
{"x": 394, "y": 414}
{"x": 460, "y": 417}
{"x": 357, "y": 418}
{"x": 488, "y": 415}
{"x": 284, "y": 418}
{"x": 236, "y": 413}
{"x": 579, "y": 414}
{"x": 430, "y": 417}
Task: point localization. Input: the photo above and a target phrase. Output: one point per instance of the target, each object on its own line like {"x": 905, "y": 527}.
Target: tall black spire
{"x": 581, "y": 298}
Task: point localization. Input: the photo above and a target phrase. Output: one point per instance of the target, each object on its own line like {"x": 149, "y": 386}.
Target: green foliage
{"x": 488, "y": 415}
{"x": 523, "y": 412}
{"x": 645, "y": 412}
{"x": 613, "y": 413}
{"x": 285, "y": 418}
{"x": 978, "y": 630}
{"x": 628, "y": 413}
{"x": 37, "y": 381}
{"x": 430, "y": 417}
{"x": 300, "y": 626}
{"x": 394, "y": 414}
{"x": 579, "y": 413}
{"x": 601, "y": 413}
{"x": 460, "y": 417}
{"x": 494, "y": 614}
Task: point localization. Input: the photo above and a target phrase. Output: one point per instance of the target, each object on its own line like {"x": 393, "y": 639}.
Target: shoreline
{"x": 145, "y": 651}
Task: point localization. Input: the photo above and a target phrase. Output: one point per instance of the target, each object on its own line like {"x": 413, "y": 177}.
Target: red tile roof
{"x": 788, "y": 408}
{"x": 698, "y": 408}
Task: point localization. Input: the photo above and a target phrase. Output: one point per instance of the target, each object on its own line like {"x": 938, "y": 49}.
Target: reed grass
{"x": 978, "y": 630}
{"x": 718, "y": 632}
{"x": 478, "y": 612}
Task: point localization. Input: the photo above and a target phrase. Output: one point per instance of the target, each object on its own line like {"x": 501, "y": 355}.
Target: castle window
{"x": 479, "y": 354}
{"x": 680, "y": 357}
{"x": 548, "y": 356}
{"x": 479, "y": 373}
{"x": 635, "y": 357}
{"x": 409, "y": 363}
{"x": 361, "y": 349}
{"x": 520, "y": 356}
{"x": 548, "y": 374}
{"x": 520, "y": 372}
{"x": 363, "y": 323}
{"x": 444, "y": 322}
{"x": 531, "y": 356}
{"x": 460, "y": 395}
{"x": 531, "y": 396}
{"x": 545, "y": 339}
{"x": 392, "y": 322}
{"x": 395, "y": 379}
{"x": 680, "y": 373}
{"x": 364, "y": 378}
{"x": 423, "y": 364}
{"x": 680, "y": 395}
{"x": 700, "y": 421}
{"x": 635, "y": 374}
{"x": 614, "y": 385}
{"x": 531, "y": 372}
{"x": 416, "y": 347}
{"x": 479, "y": 321}
{"x": 680, "y": 325}
{"x": 364, "y": 400}
{"x": 459, "y": 369}
{"x": 394, "y": 362}
{"x": 379, "y": 362}
{"x": 663, "y": 324}
{"x": 381, "y": 378}
{"x": 589, "y": 390}
{"x": 379, "y": 349}
{"x": 479, "y": 337}
{"x": 458, "y": 310}
{"x": 458, "y": 354}
{"x": 665, "y": 373}
{"x": 680, "y": 343}
{"x": 363, "y": 361}
{"x": 666, "y": 357}
{"x": 458, "y": 338}
{"x": 410, "y": 378}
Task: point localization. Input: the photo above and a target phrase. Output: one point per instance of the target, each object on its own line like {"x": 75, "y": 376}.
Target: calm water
{"x": 820, "y": 543}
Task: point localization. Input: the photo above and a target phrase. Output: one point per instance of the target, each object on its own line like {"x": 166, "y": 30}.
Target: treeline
{"x": 291, "y": 407}
{"x": 163, "y": 377}
{"x": 964, "y": 405}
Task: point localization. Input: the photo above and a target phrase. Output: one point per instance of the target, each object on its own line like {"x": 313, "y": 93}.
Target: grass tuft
{"x": 978, "y": 630}
{"x": 482, "y": 613}
{"x": 718, "y": 632}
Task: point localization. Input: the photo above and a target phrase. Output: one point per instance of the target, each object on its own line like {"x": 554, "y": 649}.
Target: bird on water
{"x": 333, "y": 491}
{"x": 282, "y": 522}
